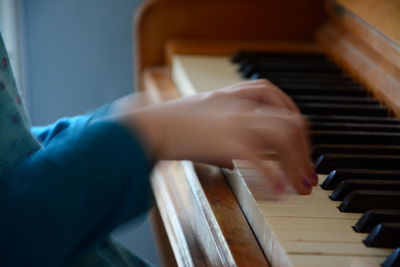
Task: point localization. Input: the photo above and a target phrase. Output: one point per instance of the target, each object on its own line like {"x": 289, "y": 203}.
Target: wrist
{"x": 146, "y": 127}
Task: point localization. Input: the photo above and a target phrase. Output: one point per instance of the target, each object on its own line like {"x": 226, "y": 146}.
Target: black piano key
{"x": 313, "y": 80}
{"x": 354, "y": 137}
{"x": 343, "y": 109}
{"x": 329, "y": 162}
{"x": 237, "y": 57}
{"x": 362, "y": 127}
{"x": 322, "y": 92}
{"x": 302, "y": 76}
{"x": 363, "y": 200}
{"x": 348, "y": 186}
{"x": 241, "y": 55}
{"x": 249, "y": 66}
{"x": 316, "y": 80}
{"x": 285, "y": 64}
{"x": 305, "y": 77}
{"x": 384, "y": 235}
{"x": 352, "y": 119}
{"x": 279, "y": 58}
{"x": 249, "y": 71}
{"x": 393, "y": 260}
{"x": 334, "y": 100}
{"x": 374, "y": 217}
{"x": 306, "y": 86}
{"x": 337, "y": 176}
{"x": 322, "y": 149}
{"x": 283, "y": 58}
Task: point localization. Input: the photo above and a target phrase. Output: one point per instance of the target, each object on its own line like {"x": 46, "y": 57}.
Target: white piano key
{"x": 343, "y": 236}
{"x": 195, "y": 74}
{"x": 333, "y": 249}
{"x": 304, "y": 223}
{"x": 270, "y": 209}
{"x": 335, "y": 261}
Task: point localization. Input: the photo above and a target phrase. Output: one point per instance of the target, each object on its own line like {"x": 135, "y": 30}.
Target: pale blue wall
{"x": 79, "y": 56}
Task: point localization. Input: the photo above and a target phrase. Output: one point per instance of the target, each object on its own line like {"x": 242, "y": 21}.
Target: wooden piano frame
{"x": 196, "y": 208}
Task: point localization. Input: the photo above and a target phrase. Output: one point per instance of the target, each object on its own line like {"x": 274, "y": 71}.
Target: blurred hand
{"x": 241, "y": 121}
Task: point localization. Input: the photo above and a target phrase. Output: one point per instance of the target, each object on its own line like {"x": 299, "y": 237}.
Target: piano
{"x": 340, "y": 62}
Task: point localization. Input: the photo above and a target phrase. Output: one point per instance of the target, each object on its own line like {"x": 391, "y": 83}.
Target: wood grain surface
{"x": 383, "y": 16}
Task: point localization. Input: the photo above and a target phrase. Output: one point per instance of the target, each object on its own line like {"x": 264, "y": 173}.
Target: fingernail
{"x": 314, "y": 176}
{"x": 280, "y": 187}
{"x": 307, "y": 183}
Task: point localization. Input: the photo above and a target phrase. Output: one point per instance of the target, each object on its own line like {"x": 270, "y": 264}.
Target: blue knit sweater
{"x": 65, "y": 187}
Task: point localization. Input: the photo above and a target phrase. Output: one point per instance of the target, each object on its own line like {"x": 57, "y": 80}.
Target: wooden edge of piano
{"x": 197, "y": 209}
{"x": 200, "y": 215}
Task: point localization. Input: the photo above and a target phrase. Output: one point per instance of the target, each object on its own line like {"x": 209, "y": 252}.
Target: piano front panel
{"x": 293, "y": 230}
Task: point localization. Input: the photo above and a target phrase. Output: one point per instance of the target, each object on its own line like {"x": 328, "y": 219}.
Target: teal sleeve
{"x": 69, "y": 195}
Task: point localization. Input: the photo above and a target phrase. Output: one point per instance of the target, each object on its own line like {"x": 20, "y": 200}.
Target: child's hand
{"x": 236, "y": 122}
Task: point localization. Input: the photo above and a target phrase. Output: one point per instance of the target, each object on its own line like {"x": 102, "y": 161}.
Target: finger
{"x": 263, "y": 91}
{"x": 268, "y": 170}
{"x": 302, "y": 129}
{"x": 279, "y": 92}
{"x": 304, "y": 142}
{"x": 287, "y": 138}
{"x": 310, "y": 170}
{"x": 263, "y": 94}
{"x": 238, "y": 145}
{"x": 276, "y": 90}
{"x": 289, "y": 102}
{"x": 246, "y": 83}
{"x": 294, "y": 162}
{"x": 294, "y": 158}
{"x": 273, "y": 130}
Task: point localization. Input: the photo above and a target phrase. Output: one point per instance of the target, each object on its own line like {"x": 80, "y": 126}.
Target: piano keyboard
{"x": 356, "y": 145}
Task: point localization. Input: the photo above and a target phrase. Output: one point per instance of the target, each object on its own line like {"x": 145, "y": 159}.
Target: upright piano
{"x": 340, "y": 62}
